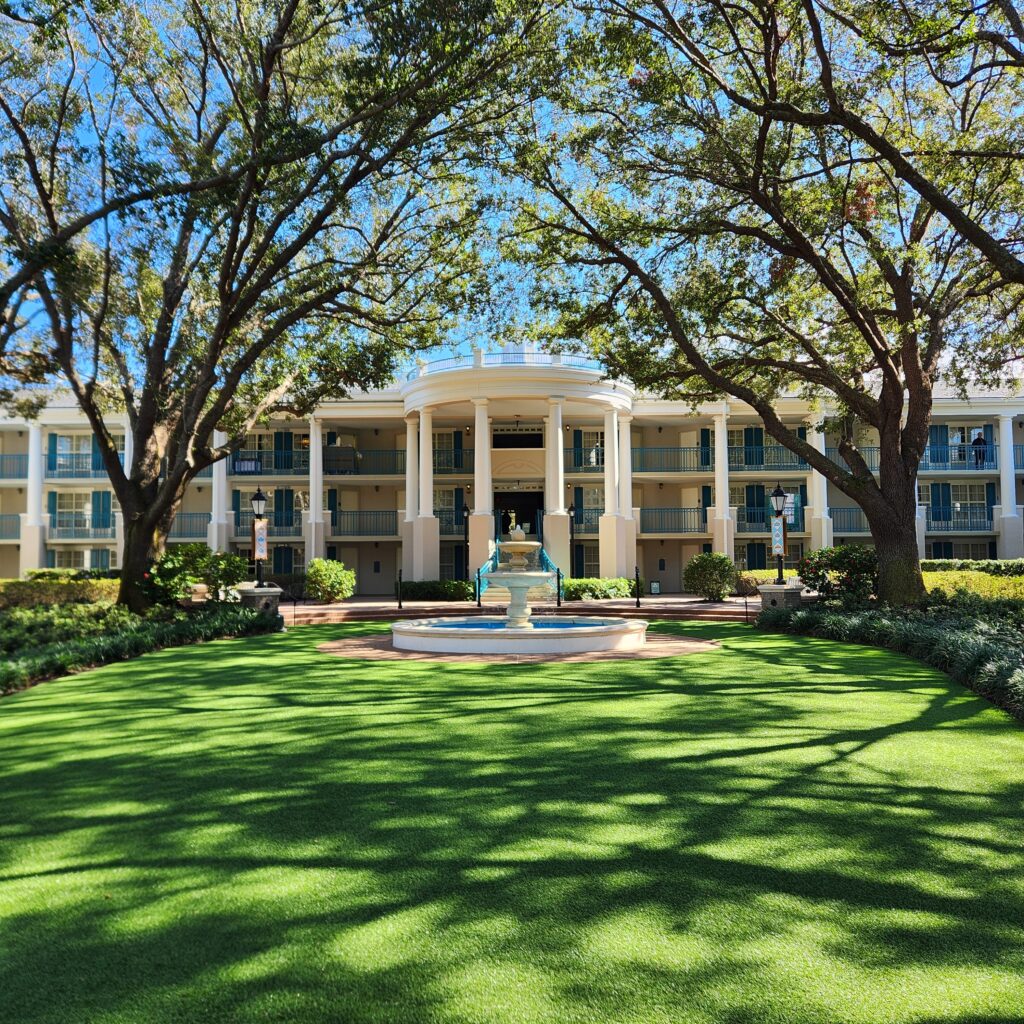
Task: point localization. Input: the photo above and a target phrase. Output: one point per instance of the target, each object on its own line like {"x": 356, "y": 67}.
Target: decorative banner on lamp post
{"x": 778, "y": 535}
{"x": 259, "y": 540}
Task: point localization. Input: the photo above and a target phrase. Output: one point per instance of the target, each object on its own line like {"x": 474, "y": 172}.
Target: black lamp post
{"x": 465, "y": 539}
{"x": 572, "y": 535}
{"x": 259, "y": 506}
{"x": 779, "y": 497}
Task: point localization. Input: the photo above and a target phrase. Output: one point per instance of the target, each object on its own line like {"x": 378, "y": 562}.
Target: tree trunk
{"x": 136, "y": 561}
{"x": 894, "y": 530}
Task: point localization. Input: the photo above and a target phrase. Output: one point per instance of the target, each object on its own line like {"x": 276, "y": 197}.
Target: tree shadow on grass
{"x": 254, "y": 831}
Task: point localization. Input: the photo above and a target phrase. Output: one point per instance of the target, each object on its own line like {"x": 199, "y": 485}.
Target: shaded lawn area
{"x": 786, "y": 830}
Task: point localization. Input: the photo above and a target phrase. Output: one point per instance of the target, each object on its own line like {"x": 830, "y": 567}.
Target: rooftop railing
{"x": 457, "y": 362}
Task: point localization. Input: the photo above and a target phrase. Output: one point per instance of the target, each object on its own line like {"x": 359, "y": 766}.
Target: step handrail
{"x": 490, "y": 565}
{"x": 546, "y": 563}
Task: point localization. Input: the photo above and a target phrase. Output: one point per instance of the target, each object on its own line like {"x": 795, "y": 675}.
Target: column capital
{"x": 412, "y": 417}
{"x": 625, "y": 417}
{"x": 480, "y": 401}
{"x": 556, "y": 399}
{"x": 1003, "y": 416}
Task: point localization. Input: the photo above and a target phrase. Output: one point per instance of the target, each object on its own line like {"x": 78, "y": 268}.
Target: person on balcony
{"x": 980, "y": 449}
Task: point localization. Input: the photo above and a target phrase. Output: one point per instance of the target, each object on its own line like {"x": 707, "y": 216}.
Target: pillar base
{"x": 481, "y": 540}
{"x": 723, "y": 536}
{"x": 426, "y": 548}
{"x": 217, "y": 536}
{"x": 821, "y": 532}
{"x": 314, "y": 534}
{"x": 616, "y": 546}
{"x": 1010, "y": 543}
{"x": 32, "y": 547}
{"x": 556, "y": 540}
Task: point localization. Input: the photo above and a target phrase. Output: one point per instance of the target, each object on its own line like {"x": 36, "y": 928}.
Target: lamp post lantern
{"x": 778, "y": 499}
{"x": 259, "y": 506}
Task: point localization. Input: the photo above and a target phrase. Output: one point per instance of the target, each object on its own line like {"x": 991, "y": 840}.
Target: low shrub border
{"x": 984, "y": 654}
{"x": 73, "y": 655}
{"x": 748, "y": 580}
{"x": 437, "y": 590}
{"x": 991, "y": 566}
{"x": 599, "y": 588}
{"x": 56, "y": 590}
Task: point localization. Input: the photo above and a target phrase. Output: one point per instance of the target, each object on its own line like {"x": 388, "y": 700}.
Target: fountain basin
{"x": 546, "y": 634}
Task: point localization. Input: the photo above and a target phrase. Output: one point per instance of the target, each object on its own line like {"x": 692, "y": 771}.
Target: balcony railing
{"x": 10, "y": 527}
{"x": 364, "y": 524}
{"x": 280, "y": 524}
{"x": 80, "y": 526}
{"x": 453, "y": 460}
{"x": 870, "y": 456}
{"x": 586, "y": 521}
{"x": 452, "y": 521}
{"x": 1018, "y": 456}
{"x": 75, "y": 466}
{"x": 189, "y": 526}
{"x": 849, "y": 520}
{"x": 584, "y": 460}
{"x": 256, "y": 463}
{"x": 673, "y": 460}
{"x": 965, "y": 519}
{"x": 13, "y": 467}
{"x": 965, "y": 458}
{"x": 673, "y": 520}
{"x": 347, "y": 461}
{"x": 753, "y": 519}
{"x": 763, "y": 457}
{"x": 570, "y": 359}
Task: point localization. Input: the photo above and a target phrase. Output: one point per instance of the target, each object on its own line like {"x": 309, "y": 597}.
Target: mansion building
{"x": 423, "y": 477}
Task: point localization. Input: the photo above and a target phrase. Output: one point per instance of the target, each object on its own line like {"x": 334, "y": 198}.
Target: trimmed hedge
{"x": 711, "y": 574}
{"x": 983, "y": 652}
{"x": 140, "y": 637}
{"x": 22, "y": 629}
{"x": 599, "y": 588}
{"x": 56, "y": 590}
{"x": 975, "y": 582}
{"x": 748, "y": 580}
{"x": 991, "y": 566}
{"x": 437, "y": 590}
{"x": 328, "y": 580}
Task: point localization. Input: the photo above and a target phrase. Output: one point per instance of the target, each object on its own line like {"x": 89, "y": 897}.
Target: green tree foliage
{"x": 704, "y": 220}
{"x": 331, "y": 231}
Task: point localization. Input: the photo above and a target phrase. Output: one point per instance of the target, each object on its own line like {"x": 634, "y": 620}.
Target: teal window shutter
{"x": 282, "y": 449}
{"x": 990, "y": 496}
{"x": 801, "y": 432}
{"x": 705, "y": 446}
{"x": 460, "y": 562}
{"x": 51, "y": 559}
{"x": 99, "y": 558}
{"x": 938, "y": 443}
{"x": 457, "y": 454}
{"x": 284, "y": 506}
{"x": 97, "y": 510}
{"x": 236, "y": 507}
{"x": 577, "y": 448}
{"x": 577, "y": 498}
{"x": 460, "y": 500}
{"x": 332, "y": 506}
{"x": 51, "y": 505}
{"x": 332, "y": 438}
{"x": 705, "y": 501}
{"x": 578, "y": 561}
{"x": 706, "y": 548}
{"x": 51, "y": 452}
{"x": 97, "y": 456}
{"x": 332, "y": 552}
{"x": 757, "y": 556}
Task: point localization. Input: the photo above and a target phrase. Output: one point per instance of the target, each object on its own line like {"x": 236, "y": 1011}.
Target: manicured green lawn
{"x": 787, "y": 830}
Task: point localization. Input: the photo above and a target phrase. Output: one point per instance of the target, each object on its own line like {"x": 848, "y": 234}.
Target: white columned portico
{"x": 611, "y": 527}
{"x": 556, "y": 518}
{"x": 314, "y": 529}
{"x": 34, "y": 525}
{"x": 821, "y": 520}
{"x": 218, "y": 532}
{"x": 481, "y": 521}
{"x": 723, "y": 526}
{"x": 1011, "y": 532}
{"x": 412, "y": 488}
{"x": 426, "y": 543}
{"x": 611, "y": 463}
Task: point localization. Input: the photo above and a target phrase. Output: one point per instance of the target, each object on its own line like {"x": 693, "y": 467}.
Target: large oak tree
{"x": 332, "y": 234}
{"x": 703, "y": 219}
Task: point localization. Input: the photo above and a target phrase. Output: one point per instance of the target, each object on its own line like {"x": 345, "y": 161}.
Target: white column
{"x": 316, "y": 471}
{"x": 722, "y": 465}
{"x": 483, "y": 487}
{"x": 625, "y": 467}
{"x": 129, "y": 447}
{"x": 218, "y": 532}
{"x": 549, "y": 465}
{"x": 556, "y": 452}
{"x": 821, "y": 522}
{"x": 1011, "y": 535}
{"x": 723, "y": 526}
{"x": 426, "y": 462}
{"x": 411, "y": 468}
{"x": 611, "y": 463}
{"x": 32, "y": 546}
{"x": 35, "y": 475}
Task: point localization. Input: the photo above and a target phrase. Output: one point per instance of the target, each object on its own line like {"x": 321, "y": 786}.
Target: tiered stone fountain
{"x": 518, "y": 632}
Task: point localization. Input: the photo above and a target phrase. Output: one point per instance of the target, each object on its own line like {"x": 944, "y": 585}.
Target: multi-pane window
{"x": 591, "y": 560}
{"x": 959, "y": 549}
{"x": 69, "y": 558}
{"x": 593, "y": 497}
{"x": 72, "y": 502}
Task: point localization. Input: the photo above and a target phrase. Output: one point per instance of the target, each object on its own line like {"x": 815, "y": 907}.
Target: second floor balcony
{"x": 673, "y": 460}
{"x": 849, "y": 520}
{"x": 81, "y": 526}
{"x": 367, "y": 523}
{"x": 758, "y": 519}
{"x": 585, "y": 521}
{"x": 13, "y": 467}
{"x": 189, "y": 526}
{"x": 76, "y": 466}
{"x": 673, "y": 520}
{"x": 959, "y": 518}
{"x": 10, "y": 526}
{"x": 280, "y": 523}
{"x": 249, "y": 462}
